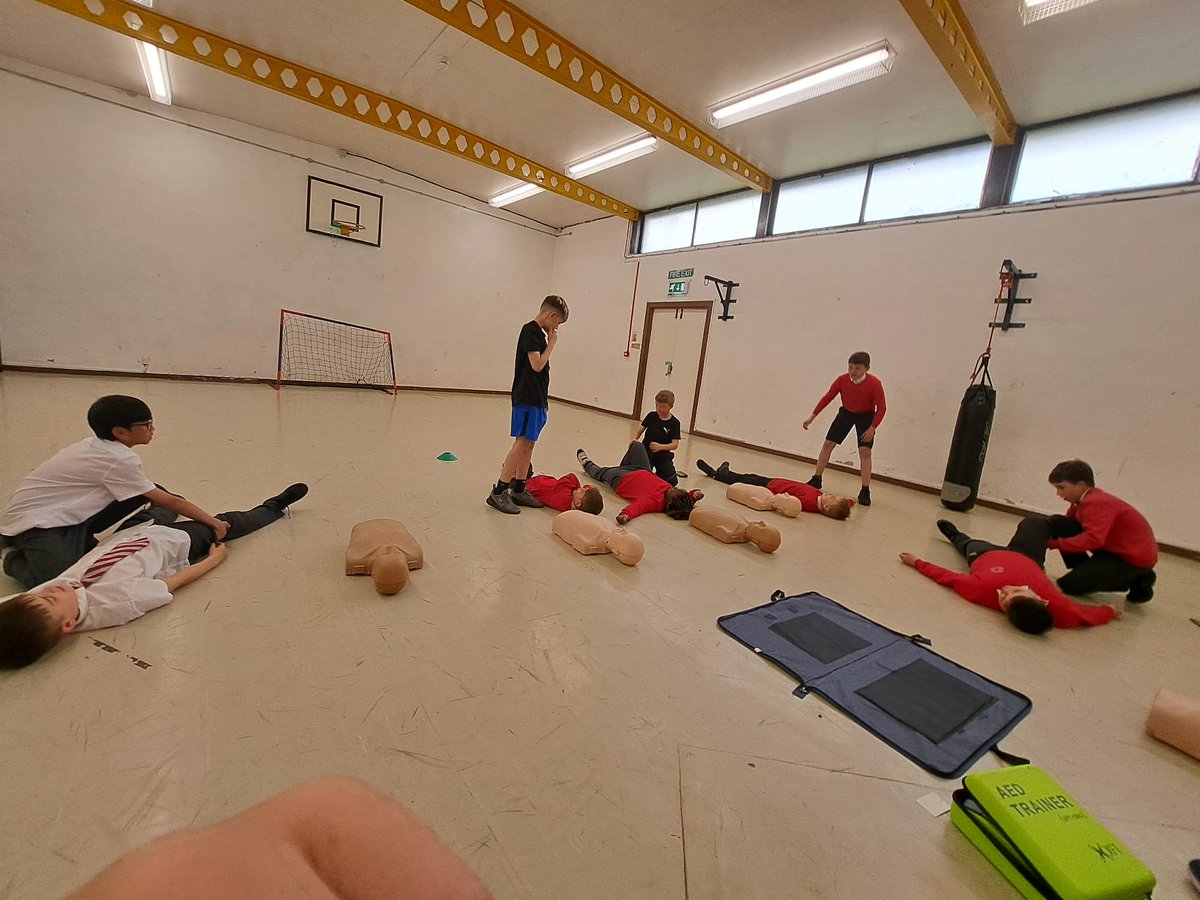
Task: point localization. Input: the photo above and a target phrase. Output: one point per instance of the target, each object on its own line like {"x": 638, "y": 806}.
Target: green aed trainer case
{"x": 1043, "y": 841}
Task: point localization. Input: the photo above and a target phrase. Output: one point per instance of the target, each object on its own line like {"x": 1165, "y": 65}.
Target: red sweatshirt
{"x": 857, "y": 398}
{"x": 1109, "y": 523}
{"x": 806, "y": 494}
{"x": 554, "y": 492}
{"x": 1001, "y": 568}
{"x": 646, "y": 491}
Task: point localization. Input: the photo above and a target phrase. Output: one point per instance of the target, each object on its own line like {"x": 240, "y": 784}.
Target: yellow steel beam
{"x": 517, "y": 34}
{"x": 334, "y": 94}
{"x": 949, "y": 34}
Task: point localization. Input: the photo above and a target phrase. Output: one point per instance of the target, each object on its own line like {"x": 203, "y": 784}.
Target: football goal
{"x": 314, "y": 350}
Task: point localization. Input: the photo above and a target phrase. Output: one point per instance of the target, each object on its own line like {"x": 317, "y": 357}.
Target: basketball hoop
{"x": 345, "y": 229}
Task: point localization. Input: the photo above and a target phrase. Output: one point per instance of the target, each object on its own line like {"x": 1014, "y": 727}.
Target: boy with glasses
{"x": 58, "y": 509}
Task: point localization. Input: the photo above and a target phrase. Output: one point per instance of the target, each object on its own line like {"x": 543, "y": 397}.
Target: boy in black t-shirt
{"x": 660, "y": 432}
{"x": 530, "y": 399}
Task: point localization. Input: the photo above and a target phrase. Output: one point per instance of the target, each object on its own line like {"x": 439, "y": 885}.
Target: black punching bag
{"x": 960, "y": 488}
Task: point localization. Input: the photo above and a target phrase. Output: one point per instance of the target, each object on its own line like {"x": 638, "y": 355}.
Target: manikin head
{"x": 765, "y": 537}
{"x": 787, "y": 504}
{"x": 859, "y": 366}
{"x": 389, "y": 570}
{"x": 626, "y": 546}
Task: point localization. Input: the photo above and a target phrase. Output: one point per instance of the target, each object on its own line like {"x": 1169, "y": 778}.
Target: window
{"x": 728, "y": 218}
{"x": 668, "y": 229}
{"x": 936, "y": 182}
{"x": 820, "y": 202}
{"x": 1128, "y": 149}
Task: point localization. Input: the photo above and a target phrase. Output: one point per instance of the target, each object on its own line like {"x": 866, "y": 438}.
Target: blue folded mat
{"x": 942, "y": 716}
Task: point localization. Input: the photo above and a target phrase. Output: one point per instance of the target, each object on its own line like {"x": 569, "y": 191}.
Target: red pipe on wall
{"x": 632, "y": 305}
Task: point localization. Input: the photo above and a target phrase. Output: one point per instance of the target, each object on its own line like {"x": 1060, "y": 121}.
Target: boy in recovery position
{"x": 1010, "y": 579}
{"x": 565, "y": 493}
{"x": 60, "y": 507}
{"x": 633, "y": 481}
{"x": 811, "y": 499}
{"x": 131, "y": 573}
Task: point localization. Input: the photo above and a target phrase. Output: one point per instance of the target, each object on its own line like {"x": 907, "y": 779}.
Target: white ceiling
{"x": 687, "y": 53}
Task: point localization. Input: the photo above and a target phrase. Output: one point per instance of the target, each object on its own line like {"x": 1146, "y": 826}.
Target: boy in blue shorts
{"x": 530, "y": 399}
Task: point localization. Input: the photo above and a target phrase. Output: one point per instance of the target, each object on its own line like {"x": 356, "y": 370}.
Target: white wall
{"x": 148, "y": 231}
{"x": 1104, "y": 369}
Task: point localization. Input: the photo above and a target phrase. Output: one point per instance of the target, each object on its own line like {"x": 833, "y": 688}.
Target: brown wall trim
{"x": 1174, "y": 550}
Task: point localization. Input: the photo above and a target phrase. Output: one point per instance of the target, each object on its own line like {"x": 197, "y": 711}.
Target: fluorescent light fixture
{"x": 614, "y": 157}
{"x": 828, "y": 76}
{"x": 1032, "y": 10}
{"x": 154, "y": 67}
{"x": 512, "y": 195}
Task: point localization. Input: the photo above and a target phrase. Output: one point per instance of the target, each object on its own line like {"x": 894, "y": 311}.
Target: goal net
{"x": 315, "y": 350}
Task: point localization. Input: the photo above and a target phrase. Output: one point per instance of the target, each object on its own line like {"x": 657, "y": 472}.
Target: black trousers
{"x": 635, "y": 458}
{"x": 1029, "y": 540}
{"x": 241, "y": 523}
{"x": 1095, "y": 571}
{"x": 726, "y": 476}
{"x": 662, "y": 463}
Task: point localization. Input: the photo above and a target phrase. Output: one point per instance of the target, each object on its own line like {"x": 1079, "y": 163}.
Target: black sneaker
{"x": 582, "y": 457}
{"x": 524, "y": 498}
{"x": 947, "y": 528}
{"x": 723, "y": 468}
{"x": 1142, "y": 588}
{"x": 503, "y": 502}
{"x": 864, "y": 497}
{"x": 815, "y": 481}
{"x": 706, "y": 468}
{"x": 287, "y": 496}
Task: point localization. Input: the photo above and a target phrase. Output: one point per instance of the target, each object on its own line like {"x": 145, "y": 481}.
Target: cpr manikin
{"x": 732, "y": 528}
{"x": 385, "y": 550}
{"x": 593, "y": 534}
{"x": 761, "y": 498}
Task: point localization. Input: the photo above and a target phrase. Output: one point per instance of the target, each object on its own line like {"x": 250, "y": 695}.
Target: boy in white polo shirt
{"x": 84, "y": 489}
{"x": 122, "y": 579}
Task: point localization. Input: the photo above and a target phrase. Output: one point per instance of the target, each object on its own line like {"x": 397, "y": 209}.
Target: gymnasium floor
{"x": 572, "y": 727}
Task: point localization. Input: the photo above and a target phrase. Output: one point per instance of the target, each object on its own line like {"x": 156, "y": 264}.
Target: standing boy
{"x": 1106, "y": 543}
{"x": 60, "y": 507}
{"x": 660, "y": 432}
{"x": 530, "y": 400}
{"x": 863, "y": 407}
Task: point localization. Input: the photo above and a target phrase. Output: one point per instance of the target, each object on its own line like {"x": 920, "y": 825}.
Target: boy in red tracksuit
{"x": 811, "y": 499}
{"x": 565, "y": 493}
{"x": 1010, "y": 579}
{"x": 634, "y": 481}
{"x": 1106, "y": 543}
{"x": 863, "y": 406}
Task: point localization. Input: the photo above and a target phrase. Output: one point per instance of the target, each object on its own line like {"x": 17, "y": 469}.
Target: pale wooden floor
{"x": 572, "y": 727}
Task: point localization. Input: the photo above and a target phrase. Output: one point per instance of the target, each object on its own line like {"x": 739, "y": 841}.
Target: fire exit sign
{"x": 678, "y": 281}
{"x": 679, "y": 274}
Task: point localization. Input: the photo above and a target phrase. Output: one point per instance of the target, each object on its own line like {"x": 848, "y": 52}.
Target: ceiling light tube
{"x": 614, "y": 157}
{"x": 1032, "y": 10}
{"x": 154, "y": 66}
{"x": 828, "y": 76}
{"x": 512, "y": 195}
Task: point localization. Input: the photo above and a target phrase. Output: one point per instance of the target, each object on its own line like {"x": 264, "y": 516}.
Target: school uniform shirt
{"x": 866, "y": 396}
{"x": 75, "y": 484}
{"x": 554, "y": 492}
{"x": 1110, "y": 524}
{"x": 1000, "y": 568}
{"x": 660, "y": 431}
{"x": 134, "y": 585}
{"x": 805, "y": 493}
{"x": 530, "y": 388}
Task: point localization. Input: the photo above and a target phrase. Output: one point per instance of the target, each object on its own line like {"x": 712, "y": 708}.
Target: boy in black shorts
{"x": 863, "y": 406}
{"x": 530, "y": 400}
{"x": 660, "y": 432}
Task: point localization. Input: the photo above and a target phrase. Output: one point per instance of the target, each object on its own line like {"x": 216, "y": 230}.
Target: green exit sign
{"x": 677, "y": 288}
{"x": 676, "y": 274}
